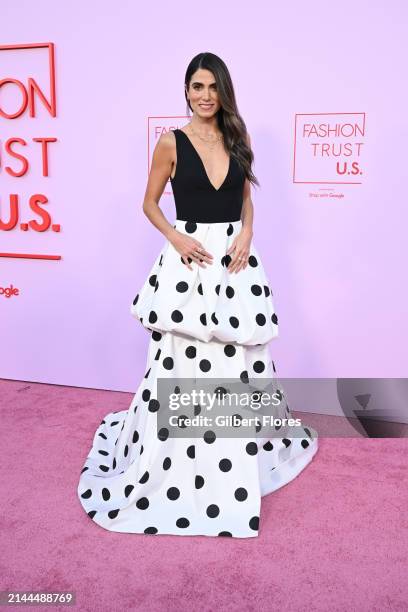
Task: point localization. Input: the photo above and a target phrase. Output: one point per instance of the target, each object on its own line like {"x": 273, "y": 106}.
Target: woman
{"x": 210, "y": 312}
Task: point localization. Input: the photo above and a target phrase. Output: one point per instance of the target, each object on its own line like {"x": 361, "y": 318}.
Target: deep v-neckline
{"x": 203, "y": 166}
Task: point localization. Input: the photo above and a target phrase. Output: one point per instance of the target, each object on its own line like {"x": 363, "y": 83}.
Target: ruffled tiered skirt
{"x": 205, "y": 323}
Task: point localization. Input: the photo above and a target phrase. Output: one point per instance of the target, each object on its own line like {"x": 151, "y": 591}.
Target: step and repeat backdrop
{"x": 86, "y": 89}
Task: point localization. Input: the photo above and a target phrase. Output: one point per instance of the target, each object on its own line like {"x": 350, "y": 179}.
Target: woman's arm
{"x": 247, "y": 212}
{"x": 241, "y": 245}
{"x": 160, "y": 170}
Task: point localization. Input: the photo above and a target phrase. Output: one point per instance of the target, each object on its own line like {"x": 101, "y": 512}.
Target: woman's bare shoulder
{"x": 165, "y": 146}
{"x": 167, "y": 139}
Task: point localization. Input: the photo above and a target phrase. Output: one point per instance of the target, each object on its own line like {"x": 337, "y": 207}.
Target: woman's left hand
{"x": 240, "y": 248}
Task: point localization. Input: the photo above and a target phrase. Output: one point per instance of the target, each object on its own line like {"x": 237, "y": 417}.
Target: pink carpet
{"x": 333, "y": 539}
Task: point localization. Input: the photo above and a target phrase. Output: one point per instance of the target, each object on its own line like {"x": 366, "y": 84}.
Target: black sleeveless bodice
{"x": 195, "y": 196}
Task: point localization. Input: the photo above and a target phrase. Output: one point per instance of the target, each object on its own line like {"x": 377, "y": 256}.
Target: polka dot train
{"x": 205, "y": 322}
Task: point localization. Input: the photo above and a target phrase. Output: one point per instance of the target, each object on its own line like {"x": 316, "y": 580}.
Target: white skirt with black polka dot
{"x": 205, "y": 323}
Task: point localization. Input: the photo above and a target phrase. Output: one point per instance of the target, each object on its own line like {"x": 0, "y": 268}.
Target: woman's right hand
{"x": 190, "y": 249}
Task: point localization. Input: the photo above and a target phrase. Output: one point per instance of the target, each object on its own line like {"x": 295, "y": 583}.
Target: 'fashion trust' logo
{"x": 329, "y": 148}
{"x": 27, "y": 101}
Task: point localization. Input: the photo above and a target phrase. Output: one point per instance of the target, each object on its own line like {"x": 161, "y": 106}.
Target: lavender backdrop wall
{"x": 335, "y": 253}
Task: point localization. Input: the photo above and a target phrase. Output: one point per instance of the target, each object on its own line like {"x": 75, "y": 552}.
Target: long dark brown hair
{"x": 230, "y": 121}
